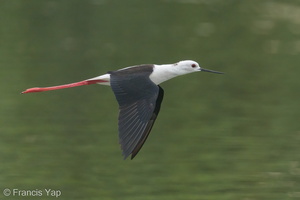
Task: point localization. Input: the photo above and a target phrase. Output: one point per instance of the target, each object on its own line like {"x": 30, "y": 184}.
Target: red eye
{"x": 194, "y": 65}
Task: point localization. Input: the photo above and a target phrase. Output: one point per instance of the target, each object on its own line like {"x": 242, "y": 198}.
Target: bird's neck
{"x": 162, "y": 73}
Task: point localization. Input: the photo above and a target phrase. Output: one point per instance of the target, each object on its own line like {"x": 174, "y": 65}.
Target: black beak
{"x": 207, "y": 70}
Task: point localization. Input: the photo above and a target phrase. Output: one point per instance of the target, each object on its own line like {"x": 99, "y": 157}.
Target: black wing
{"x": 139, "y": 104}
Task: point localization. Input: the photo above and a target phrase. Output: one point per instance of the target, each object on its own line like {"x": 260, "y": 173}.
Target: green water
{"x": 231, "y": 137}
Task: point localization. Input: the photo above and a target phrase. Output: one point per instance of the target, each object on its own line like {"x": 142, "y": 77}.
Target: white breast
{"x": 163, "y": 73}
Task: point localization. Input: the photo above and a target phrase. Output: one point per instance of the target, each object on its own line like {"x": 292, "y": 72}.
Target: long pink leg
{"x": 42, "y": 89}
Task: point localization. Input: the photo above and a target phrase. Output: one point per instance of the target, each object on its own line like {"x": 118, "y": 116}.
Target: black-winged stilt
{"x": 139, "y": 96}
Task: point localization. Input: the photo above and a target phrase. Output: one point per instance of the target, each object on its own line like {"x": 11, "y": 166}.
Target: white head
{"x": 163, "y": 73}
{"x": 189, "y": 66}
{"x": 186, "y": 67}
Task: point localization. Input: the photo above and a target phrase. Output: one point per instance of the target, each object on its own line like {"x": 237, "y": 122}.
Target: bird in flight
{"x": 139, "y": 96}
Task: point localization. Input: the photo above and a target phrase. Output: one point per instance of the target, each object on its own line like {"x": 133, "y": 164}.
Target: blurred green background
{"x": 232, "y": 136}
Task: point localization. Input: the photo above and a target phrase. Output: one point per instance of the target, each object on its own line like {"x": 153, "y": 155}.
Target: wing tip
{"x": 125, "y": 156}
{"x": 133, "y": 153}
